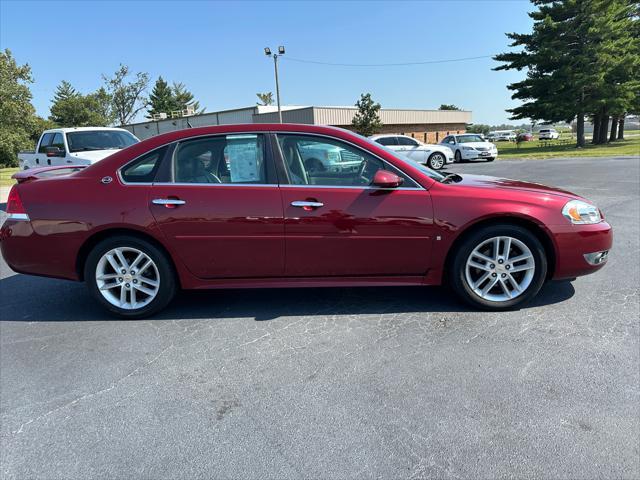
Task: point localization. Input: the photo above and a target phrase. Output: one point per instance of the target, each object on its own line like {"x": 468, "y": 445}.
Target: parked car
{"x": 235, "y": 206}
{"x": 328, "y": 158}
{"x": 548, "y": 134}
{"x": 433, "y": 156}
{"x": 75, "y": 146}
{"x": 524, "y": 137}
{"x": 470, "y": 146}
{"x": 502, "y": 136}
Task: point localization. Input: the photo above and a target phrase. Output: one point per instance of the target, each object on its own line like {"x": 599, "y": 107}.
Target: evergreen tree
{"x": 573, "y": 59}
{"x": 161, "y": 99}
{"x": 184, "y": 98}
{"x": 72, "y": 109}
{"x": 448, "y": 106}
{"x": 367, "y": 121}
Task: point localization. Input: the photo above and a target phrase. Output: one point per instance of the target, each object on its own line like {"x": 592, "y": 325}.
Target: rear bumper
{"x": 575, "y": 245}
{"x": 27, "y": 252}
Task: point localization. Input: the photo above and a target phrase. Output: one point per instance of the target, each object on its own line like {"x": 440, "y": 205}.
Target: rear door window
{"x": 234, "y": 159}
{"x": 388, "y": 141}
{"x": 58, "y": 141}
{"x": 408, "y": 142}
{"x": 45, "y": 142}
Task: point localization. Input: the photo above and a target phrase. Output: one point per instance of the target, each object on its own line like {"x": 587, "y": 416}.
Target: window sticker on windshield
{"x": 242, "y": 158}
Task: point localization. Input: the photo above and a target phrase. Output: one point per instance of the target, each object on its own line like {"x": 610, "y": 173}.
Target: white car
{"x": 433, "y": 156}
{"x": 75, "y": 146}
{"x": 502, "y": 136}
{"x": 470, "y": 146}
{"x": 548, "y": 134}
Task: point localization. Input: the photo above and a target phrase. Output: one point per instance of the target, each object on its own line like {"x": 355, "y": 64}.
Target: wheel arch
{"x": 525, "y": 222}
{"x": 101, "y": 235}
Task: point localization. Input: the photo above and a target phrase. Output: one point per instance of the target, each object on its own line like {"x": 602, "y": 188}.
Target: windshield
{"x": 88, "y": 140}
{"x": 424, "y": 169}
{"x": 469, "y": 138}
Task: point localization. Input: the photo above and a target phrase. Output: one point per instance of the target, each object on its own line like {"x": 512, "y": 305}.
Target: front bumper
{"x": 580, "y": 248}
{"x": 478, "y": 155}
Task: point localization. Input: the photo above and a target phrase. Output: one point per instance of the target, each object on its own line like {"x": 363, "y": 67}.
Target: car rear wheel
{"x": 130, "y": 276}
{"x": 458, "y": 156}
{"x": 436, "y": 161}
{"x": 499, "y": 267}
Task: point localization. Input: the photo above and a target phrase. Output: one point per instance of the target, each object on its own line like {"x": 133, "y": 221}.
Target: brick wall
{"x": 426, "y": 133}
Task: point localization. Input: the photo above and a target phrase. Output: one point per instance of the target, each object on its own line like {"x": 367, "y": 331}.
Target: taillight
{"x": 15, "y": 207}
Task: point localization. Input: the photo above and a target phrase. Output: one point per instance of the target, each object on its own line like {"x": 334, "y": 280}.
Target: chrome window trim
{"x": 184, "y": 184}
{"x": 178, "y": 142}
{"x": 356, "y": 187}
{"x": 263, "y": 132}
{"x": 419, "y": 187}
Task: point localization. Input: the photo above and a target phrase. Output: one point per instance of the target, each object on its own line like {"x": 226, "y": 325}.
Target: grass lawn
{"x": 5, "y": 176}
{"x": 532, "y": 149}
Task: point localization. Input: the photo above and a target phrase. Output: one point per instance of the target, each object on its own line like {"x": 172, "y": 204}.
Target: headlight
{"x": 468, "y": 148}
{"x": 581, "y": 213}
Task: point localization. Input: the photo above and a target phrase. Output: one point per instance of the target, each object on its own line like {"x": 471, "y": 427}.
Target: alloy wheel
{"x": 500, "y": 269}
{"x": 127, "y": 278}
{"x": 437, "y": 161}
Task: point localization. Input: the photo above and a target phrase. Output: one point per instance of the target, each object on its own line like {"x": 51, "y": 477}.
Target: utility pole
{"x": 267, "y": 52}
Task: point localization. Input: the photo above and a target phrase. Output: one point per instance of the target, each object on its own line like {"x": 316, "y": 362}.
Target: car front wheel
{"x": 498, "y": 267}
{"x": 458, "y": 156}
{"x": 130, "y": 276}
{"x": 436, "y": 161}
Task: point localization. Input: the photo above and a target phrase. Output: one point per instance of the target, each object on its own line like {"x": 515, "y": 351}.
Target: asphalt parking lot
{"x": 336, "y": 383}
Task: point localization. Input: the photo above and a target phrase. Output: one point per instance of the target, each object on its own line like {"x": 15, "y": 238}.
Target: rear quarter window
{"x": 144, "y": 168}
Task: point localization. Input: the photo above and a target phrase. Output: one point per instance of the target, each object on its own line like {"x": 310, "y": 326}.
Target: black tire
{"x": 490, "y": 159}
{"x": 167, "y": 276}
{"x": 458, "y": 156}
{"x": 456, "y": 272}
{"x": 434, "y": 156}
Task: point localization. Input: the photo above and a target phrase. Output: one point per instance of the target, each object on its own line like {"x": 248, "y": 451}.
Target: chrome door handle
{"x": 305, "y": 204}
{"x": 167, "y": 201}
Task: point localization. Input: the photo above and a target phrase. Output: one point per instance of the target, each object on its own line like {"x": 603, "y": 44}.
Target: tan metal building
{"x": 428, "y": 126}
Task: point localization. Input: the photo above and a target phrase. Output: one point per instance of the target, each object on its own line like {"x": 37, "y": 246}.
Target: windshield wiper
{"x": 452, "y": 176}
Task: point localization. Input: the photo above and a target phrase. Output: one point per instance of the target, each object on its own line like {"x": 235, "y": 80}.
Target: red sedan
{"x": 241, "y": 206}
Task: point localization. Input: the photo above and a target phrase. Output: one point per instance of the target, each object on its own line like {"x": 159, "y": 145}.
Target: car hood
{"x": 93, "y": 155}
{"x": 484, "y": 181}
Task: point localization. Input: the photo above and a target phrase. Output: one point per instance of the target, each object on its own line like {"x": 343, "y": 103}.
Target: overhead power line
{"x": 404, "y": 64}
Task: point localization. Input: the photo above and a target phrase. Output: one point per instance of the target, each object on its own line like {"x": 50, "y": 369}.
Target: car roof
{"x": 386, "y": 135}
{"x": 83, "y": 129}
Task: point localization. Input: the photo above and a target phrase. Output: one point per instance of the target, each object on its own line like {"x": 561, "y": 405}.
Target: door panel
{"x": 357, "y": 231}
{"x": 223, "y": 231}
{"x": 220, "y": 209}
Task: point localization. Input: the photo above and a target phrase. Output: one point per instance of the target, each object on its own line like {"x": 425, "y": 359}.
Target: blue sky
{"x": 216, "y": 49}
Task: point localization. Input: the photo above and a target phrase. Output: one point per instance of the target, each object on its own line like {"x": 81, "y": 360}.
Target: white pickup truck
{"x": 75, "y": 146}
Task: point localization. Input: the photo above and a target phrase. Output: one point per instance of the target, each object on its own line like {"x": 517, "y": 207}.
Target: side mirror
{"x": 386, "y": 179}
{"x": 54, "y": 152}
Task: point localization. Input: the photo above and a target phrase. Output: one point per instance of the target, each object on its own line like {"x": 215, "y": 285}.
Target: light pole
{"x": 267, "y": 52}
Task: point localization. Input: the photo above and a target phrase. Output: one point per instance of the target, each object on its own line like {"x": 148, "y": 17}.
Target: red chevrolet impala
{"x": 244, "y": 206}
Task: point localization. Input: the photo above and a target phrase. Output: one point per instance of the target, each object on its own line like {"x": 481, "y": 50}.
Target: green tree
{"x": 184, "y": 98}
{"x": 17, "y": 115}
{"x": 569, "y": 57}
{"x": 478, "y": 128}
{"x": 265, "y": 98}
{"x": 127, "y": 96}
{"x": 367, "y": 120}
{"x": 72, "y": 109}
{"x": 161, "y": 99}
{"x": 447, "y": 106}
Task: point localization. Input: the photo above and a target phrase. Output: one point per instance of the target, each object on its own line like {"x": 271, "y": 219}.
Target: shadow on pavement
{"x": 33, "y": 299}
